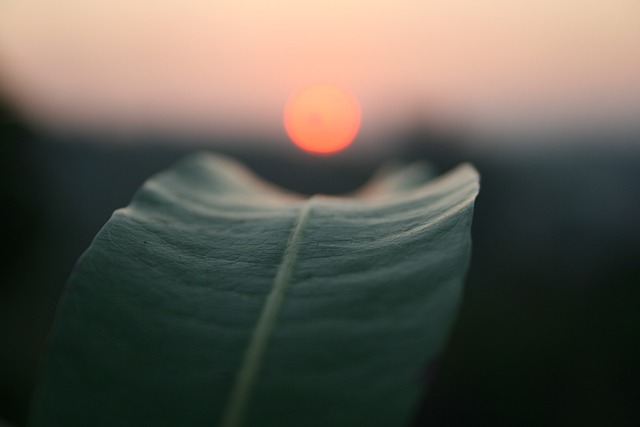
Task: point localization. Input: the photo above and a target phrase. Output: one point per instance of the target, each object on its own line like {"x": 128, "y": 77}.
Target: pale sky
{"x": 230, "y": 65}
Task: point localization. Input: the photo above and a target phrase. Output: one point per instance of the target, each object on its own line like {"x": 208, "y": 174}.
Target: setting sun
{"x": 322, "y": 118}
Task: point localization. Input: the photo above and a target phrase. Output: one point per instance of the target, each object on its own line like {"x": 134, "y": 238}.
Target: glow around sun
{"x": 322, "y": 118}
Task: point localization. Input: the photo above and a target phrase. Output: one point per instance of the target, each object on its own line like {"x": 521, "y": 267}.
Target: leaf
{"x": 215, "y": 299}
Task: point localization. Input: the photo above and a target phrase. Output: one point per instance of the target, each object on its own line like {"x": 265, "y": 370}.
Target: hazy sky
{"x": 230, "y": 65}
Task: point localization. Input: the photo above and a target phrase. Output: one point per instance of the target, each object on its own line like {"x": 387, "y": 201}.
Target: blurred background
{"x": 542, "y": 96}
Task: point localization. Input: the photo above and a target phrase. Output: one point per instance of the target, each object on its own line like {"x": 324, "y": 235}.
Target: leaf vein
{"x": 254, "y": 355}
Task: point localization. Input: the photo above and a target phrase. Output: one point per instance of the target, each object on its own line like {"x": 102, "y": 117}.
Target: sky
{"x": 229, "y": 66}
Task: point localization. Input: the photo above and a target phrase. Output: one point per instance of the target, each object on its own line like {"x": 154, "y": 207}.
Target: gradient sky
{"x": 230, "y": 65}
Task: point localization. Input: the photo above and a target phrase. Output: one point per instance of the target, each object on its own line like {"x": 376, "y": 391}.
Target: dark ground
{"x": 549, "y": 331}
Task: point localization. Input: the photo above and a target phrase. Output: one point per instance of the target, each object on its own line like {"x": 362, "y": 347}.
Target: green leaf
{"x": 215, "y": 299}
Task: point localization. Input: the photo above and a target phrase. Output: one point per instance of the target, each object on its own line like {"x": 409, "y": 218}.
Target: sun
{"x": 322, "y": 118}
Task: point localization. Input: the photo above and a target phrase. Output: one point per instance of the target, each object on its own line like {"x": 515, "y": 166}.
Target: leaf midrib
{"x": 254, "y": 355}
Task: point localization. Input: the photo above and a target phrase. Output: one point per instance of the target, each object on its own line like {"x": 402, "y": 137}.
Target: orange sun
{"x": 322, "y": 118}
